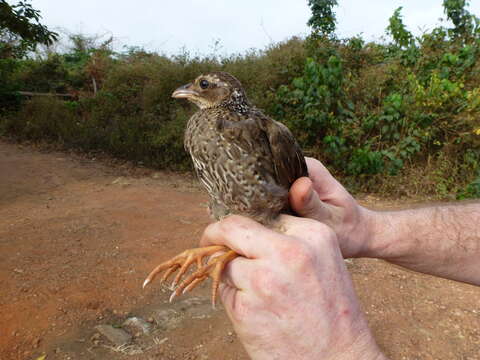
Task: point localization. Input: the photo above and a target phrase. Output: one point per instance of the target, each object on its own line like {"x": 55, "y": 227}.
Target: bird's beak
{"x": 184, "y": 91}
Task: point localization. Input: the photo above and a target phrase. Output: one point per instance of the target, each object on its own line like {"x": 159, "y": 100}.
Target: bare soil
{"x": 78, "y": 236}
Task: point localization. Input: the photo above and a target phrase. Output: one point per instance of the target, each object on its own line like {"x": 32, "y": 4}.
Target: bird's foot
{"x": 182, "y": 262}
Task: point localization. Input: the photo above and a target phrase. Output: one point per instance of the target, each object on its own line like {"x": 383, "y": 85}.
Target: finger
{"x": 305, "y": 202}
{"x": 243, "y": 235}
{"x": 326, "y": 186}
{"x": 227, "y": 294}
{"x": 303, "y": 228}
{"x": 238, "y": 272}
{"x": 232, "y": 300}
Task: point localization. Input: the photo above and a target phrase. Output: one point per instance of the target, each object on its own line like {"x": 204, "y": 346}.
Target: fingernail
{"x": 308, "y": 196}
{"x": 145, "y": 283}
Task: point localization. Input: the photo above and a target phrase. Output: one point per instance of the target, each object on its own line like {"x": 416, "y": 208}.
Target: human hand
{"x": 290, "y": 295}
{"x": 321, "y": 197}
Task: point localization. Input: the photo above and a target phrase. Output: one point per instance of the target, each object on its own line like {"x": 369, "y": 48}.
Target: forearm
{"x": 440, "y": 240}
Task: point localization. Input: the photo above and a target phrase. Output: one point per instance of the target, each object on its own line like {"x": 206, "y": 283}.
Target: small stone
{"x": 116, "y": 336}
{"x": 167, "y": 318}
{"x": 138, "y": 324}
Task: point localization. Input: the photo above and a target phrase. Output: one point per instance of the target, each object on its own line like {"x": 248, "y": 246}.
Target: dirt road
{"x": 78, "y": 236}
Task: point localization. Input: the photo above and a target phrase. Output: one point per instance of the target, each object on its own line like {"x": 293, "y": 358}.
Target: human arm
{"x": 290, "y": 296}
{"x": 441, "y": 240}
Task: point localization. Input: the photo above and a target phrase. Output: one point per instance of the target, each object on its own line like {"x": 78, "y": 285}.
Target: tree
{"x": 323, "y": 18}
{"x": 462, "y": 19}
{"x": 397, "y": 29}
{"x": 20, "y": 29}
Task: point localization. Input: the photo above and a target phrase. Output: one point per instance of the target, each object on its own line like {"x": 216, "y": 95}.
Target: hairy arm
{"x": 442, "y": 240}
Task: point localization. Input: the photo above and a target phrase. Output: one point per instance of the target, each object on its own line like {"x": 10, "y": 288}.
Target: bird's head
{"x": 214, "y": 89}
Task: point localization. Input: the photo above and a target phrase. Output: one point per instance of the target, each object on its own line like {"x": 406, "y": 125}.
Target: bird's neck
{"x": 237, "y": 102}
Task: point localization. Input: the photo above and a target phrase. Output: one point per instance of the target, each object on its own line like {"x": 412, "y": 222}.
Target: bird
{"x": 246, "y": 161}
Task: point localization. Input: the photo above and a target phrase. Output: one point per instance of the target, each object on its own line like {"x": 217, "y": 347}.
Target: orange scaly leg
{"x": 212, "y": 269}
{"x": 183, "y": 261}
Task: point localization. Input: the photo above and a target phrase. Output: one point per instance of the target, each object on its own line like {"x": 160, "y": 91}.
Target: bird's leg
{"x": 212, "y": 269}
{"x": 183, "y": 261}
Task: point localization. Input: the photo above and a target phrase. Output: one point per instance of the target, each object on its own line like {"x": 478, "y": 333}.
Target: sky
{"x": 196, "y": 25}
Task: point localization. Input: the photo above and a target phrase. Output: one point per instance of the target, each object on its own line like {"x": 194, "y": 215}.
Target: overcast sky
{"x": 167, "y": 26}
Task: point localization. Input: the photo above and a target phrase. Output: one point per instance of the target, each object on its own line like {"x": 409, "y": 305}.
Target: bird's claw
{"x": 183, "y": 261}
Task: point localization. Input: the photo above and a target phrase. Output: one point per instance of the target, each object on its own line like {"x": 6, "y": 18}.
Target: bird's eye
{"x": 204, "y": 84}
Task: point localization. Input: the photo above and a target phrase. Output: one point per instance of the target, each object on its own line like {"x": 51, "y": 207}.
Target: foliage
{"x": 400, "y": 117}
{"x": 472, "y": 191}
{"x": 9, "y": 100}
{"x": 396, "y": 28}
{"x": 20, "y": 29}
{"x": 132, "y": 114}
{"x": 323, "y": 18}
{"x": 463, "y": 21}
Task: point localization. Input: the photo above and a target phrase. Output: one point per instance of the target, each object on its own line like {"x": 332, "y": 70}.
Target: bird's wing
{"x": 287, "y": 155}
{"x": 259, "y": 133}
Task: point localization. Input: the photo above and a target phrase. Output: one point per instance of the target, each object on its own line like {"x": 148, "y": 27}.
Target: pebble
{"x": 167, "y": 318}
{"x": 116, "y": 336}
{"x": 139, "y": 324}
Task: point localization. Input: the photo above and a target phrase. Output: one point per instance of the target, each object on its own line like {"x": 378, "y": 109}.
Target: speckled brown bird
{"x": 246, "y": 161}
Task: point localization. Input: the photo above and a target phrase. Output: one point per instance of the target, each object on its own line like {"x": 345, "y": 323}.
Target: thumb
{"x": 305, "y": 201}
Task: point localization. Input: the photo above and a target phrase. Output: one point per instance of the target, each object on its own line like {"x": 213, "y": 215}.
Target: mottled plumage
{"x": 246, "y": 161}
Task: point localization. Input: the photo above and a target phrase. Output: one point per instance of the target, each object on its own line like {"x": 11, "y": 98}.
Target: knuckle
{"x": 208, "y": 234}
{"x": 319, "y": 232}
{"x": 266, "y": 283}
{"x": 225, "y": 225}
{"x": 230, "y": 222}
{"x": 222, "y": 226}
{"x": 242, "y": 309}
{"x": 317, "y": 227}
{"x": 297, "y": 255}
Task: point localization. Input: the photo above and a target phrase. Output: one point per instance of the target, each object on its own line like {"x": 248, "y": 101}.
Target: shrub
{"x": 405, "y": 112}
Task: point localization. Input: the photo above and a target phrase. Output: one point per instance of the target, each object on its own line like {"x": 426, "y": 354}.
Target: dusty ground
{"x": 78, "y": 236}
